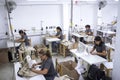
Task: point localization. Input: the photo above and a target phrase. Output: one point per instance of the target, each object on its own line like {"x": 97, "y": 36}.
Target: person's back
{"x": 26, "y": 40}
{"x": 61, "y": 35}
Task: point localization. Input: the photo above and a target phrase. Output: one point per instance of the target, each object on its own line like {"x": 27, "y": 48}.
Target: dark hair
{"x": 87, "y": 26}
{"x": 97, "y": 38}
{"x": 21, "y": 32}
{"x": 76, "y": 25}
{"x": 45, "y": 52}
{"x": 59, "y": 28}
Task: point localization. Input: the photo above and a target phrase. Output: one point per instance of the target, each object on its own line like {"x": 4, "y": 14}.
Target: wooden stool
{"x": 108, "y": 66}
{"x": 63, "y": 49}
{"x": 58, "y": 67}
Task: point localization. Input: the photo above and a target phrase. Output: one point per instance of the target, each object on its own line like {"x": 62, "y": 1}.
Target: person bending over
{"x": 23, "y": 38}
{"x": 99, "y": 47}
{"x": 47, "y": 67}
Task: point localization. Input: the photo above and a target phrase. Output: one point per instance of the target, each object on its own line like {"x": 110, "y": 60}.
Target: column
{"x": 65, "y": 9}
{"x": 116, "y": 64}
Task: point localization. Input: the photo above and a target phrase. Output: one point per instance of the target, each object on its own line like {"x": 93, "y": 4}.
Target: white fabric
{"x": 30, "y": 61}
{"x": 16, "y": 68}
{"x": 108, "y": 65}
{"x": 89, "y": 38}
{"x": 39, "y": 77}
{"x": 80, "y": 69}
{"x": 81, "y": 47}
{"x": 64, "y": 77}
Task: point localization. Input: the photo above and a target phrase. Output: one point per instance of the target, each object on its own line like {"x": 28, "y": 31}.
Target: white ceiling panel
{"x": 58, "y": 1}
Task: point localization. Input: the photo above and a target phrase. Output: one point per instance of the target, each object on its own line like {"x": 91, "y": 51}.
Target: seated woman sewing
{"x": 59, "y": 35}
{"x": 23, "y": 38}
{"x": 88, "y": 32}
{"x": 99, "y": 46}
{"x": 47, "y": 67}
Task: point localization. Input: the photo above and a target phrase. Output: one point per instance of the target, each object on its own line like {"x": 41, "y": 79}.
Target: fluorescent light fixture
{"x": 41, "y": 0}
{"x": 116, "y": 0}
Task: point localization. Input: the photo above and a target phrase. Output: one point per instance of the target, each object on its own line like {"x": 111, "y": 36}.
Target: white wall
{"x": 109, "y": 12}
{"x": 29, "y": 16}
{"x": 85, "y": 14}
{"x": 116, "y": 64}
{"x": 3, "y": 26}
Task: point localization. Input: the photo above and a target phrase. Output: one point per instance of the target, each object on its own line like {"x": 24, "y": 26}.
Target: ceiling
{"x": 57, "y": 1}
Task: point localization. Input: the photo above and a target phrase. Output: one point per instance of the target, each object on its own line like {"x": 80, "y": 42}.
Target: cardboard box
{"x": 68, "y": 68}
{"x": 4, "y": 56}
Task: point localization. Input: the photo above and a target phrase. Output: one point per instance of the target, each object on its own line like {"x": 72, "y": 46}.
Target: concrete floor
{"x": 7, "y": 71}
{"x": 6, "y": 68}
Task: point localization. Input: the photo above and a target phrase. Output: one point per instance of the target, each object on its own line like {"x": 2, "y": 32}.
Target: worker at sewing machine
{"x": 59, "y": 35}
{"x": 23, "y": 38}
{"x": 47, "y": 67}
{"x": 88, "y": 32}
{"x": 99, "y": 47}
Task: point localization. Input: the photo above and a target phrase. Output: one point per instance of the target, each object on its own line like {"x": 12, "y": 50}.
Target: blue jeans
{"x": 55, "y": 45}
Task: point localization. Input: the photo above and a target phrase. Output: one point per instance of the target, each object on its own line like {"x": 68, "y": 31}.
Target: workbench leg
{"x": 50, "y": 48}
{"x": 64, "y": 51}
